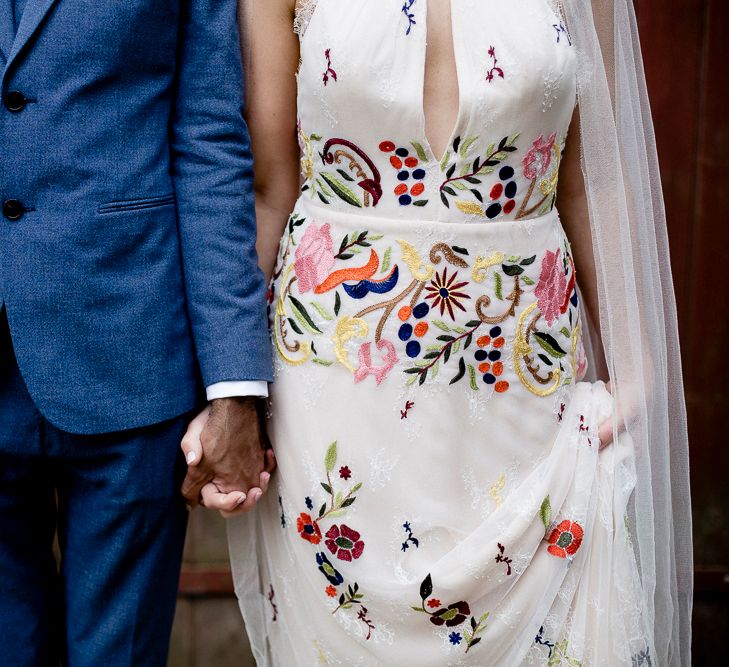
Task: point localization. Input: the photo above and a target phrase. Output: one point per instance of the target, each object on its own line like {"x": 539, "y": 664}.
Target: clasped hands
{"x": 229, "y": 461}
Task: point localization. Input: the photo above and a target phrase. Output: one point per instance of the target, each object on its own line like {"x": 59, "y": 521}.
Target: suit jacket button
{"x": 13, "y": 209}
{"x": 15, "y": 101}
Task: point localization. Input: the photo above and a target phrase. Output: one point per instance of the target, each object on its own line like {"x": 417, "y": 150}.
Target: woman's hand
{"x": 210, "y": 494}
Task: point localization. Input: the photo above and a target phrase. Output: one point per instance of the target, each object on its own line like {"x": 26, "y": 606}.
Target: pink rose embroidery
{"x": 538, "y": 157}
{"x": 314, "y": 257}
{"x": 551, "y": 286}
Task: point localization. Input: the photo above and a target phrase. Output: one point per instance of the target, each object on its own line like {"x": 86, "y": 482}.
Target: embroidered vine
{"x": 501, "y": 557}
{"x": 271, "y": 595}
{"x": 493, "y": 70}
{"x": 340, "y": 540}
{"x": 329, "y": 71}
{"x": 407, "y": 11}
{"x": 409, "y": 537}
{"x": 453, "y": 615}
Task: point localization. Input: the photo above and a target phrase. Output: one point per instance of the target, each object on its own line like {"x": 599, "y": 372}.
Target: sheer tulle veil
{"x": 637, "y": 319}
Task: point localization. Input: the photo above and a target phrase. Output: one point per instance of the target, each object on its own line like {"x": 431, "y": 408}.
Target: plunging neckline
{"x": 459, "y": 78}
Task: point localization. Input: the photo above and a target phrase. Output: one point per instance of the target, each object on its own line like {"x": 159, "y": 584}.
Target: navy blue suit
{"x": 128, "y": 282}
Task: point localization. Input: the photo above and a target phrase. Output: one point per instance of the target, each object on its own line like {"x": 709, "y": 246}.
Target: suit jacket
{"x": 127, "y": 242}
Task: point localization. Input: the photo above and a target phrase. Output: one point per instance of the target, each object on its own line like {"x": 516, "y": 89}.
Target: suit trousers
{"x": 113, "y": 501}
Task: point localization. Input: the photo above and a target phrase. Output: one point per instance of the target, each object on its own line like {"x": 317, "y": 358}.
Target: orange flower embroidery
{"x": 565, "y": 539}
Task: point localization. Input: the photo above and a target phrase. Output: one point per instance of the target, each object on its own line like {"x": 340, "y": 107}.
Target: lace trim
{"x": 302, "y": 15}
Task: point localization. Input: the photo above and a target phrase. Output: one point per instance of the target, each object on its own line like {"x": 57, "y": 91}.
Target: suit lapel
{"x": 33, "y": 14}
{"x": 7, "y": 29}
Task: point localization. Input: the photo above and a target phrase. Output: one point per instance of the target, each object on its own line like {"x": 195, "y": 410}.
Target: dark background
{"x": 685, "y": 47}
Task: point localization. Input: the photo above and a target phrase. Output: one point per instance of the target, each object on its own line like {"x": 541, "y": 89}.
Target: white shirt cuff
{"x": 257, "y": 388}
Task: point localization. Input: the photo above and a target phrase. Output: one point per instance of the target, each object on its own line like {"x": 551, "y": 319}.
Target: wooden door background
{"x": 684, "y": 47}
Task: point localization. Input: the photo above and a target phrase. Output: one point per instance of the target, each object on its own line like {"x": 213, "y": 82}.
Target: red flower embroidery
{"x": 330, "y": 591}
{"x": 308, "y": 529}
{"x": 345, "y": 472}
{"x": 434, "y": 603}
{"x": 344, "y": 542}
{"x": 444, "y": 292}
{"x": 452, "y": 615}
{"x": 565, "y": 539}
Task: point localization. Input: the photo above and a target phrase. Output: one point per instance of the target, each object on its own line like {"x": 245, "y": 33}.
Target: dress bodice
{"x": 362, "y": 122}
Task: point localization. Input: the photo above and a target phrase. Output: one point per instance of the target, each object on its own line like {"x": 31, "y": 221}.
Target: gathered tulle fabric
{"x": 441, "y": 497}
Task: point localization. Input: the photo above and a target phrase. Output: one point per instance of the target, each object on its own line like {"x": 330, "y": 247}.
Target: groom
{"x": 128, "y": 284}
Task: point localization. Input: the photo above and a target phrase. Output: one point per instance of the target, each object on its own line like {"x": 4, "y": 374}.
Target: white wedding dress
{"x": 441, "y": 498}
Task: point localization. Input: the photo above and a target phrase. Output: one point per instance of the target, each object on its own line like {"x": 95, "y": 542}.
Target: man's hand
{"x": 228, "y": 465}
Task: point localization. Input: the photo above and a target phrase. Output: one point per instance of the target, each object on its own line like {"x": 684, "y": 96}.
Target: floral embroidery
{"x": 329, "y": 71}
{"x": 455, "y": 638}
{"x": 539, "y": 639}
{"x": 642, "y": 658}
{"x": 472, "y": 172}
{"x": 536, "y": 165}
{"x": 449, "y": 316}
{"x": 308, "y": 529}
{"x": 562, "y": 30}
{"x": 552, "y": 287}
{"x": 408, "y": 167}
{"x": 406, "y": 9}
{"x": 444, "y": 292}
{"x": 451, "y": 616}
{"x": 338, "y": 181}
{"x": 409, "y": 539}
{"x": 344, "y": 542}
{"x": 501, "y": 557}
{"x": 493, "y": 70}
{"x": 283, "y": 514}
{"x": 409, "y": 405}
{"x": 314, "y": 257}
{"x": 274, "y": 608}
{"x": 328, "y": 570}
{"x": 565, "y": 539}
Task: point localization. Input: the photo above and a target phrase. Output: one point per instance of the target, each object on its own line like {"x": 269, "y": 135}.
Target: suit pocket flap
{"x": 136, "y": 204}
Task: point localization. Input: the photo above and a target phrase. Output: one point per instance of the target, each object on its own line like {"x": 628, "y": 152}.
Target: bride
{"x": 477, "y": 414}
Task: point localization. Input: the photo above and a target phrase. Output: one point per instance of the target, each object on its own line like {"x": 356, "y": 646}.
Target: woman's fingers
{"x": 213, "y": 499}
{"x": 191, "y": 445}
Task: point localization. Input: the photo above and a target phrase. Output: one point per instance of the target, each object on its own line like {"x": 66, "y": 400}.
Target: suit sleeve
{"x": 212, "y": 169}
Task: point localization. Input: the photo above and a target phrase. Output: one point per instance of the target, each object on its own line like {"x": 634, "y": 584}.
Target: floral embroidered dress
{"x": 441, "y": 498}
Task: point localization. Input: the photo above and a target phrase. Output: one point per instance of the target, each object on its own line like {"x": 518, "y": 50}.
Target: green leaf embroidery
{"x": 341, "y": 190}
{"x": 337, "y": 303}
{"x": 302, "y": 315}
{"x": 386, "y": 260}
{"x": 550, "y": 345}
{"x": 527, "y": 280}
{"x": 498, "y": 290}
{"x": 466, "y": 146}
{"x": 472, "y": 374}
{"x": 322, "y": 362}
{"x": 441, "y": 325}
{"x": 419, "y": 150}
{"x": 545, "y": 512}
{"x": 565, "y": 332}
{"x": 322, "y": 311}
{"x": 444, "y": 162}
{"x": 331, "y": 457}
